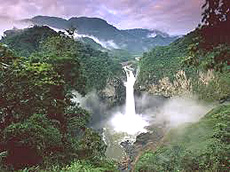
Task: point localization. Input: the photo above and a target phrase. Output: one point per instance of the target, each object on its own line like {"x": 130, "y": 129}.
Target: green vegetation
{"x": 206, "y": 48}
{"x": 212, "y": 87}
{"x": 194, "y": 54}
{"x": 78, "y": 166}
{"x": 92, "y": 43}
{"x": 164, "y": 61}
{"x": 208, "y": 86}
{"x": 203, "y": 146}
{"x": 134, "y": 41}
{"x": 196, "y": 64}
{"x": 42, "y": 129}
{"x": 42, "y": 44}
{"x": 40, "y": 125}
{"x": 25, "y": 42}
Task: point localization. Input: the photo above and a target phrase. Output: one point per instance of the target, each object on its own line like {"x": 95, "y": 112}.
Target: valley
{"x": 79, "y": 94}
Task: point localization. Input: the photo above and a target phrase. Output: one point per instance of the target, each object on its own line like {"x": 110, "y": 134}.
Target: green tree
{"x": 61, "y": 52}
{"x": 216, "y": 11}
{"x": 27, "y": 41}
{"x": 37, "y": 117}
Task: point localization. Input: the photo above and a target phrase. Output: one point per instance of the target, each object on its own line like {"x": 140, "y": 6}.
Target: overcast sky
{"x": 172, "y": 16}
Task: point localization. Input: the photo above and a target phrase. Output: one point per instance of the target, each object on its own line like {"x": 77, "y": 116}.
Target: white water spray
{"x": 130, "y": 122}
{"x": 130, "y": 102}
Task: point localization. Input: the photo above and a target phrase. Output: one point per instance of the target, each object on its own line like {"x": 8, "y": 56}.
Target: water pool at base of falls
{"x": 124, "y": 126}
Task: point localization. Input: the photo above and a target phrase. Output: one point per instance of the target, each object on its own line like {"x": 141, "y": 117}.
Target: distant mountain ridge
{"x": 135, "y": 41}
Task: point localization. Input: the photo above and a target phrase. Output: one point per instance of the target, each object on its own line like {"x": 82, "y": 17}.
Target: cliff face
{"x": 144, "y": 142}
{"x": 114, "y": 92}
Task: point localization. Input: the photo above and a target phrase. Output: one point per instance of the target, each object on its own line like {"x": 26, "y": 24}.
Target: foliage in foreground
{"x": 102, "y": 165}
{"x": 39, "y": 124}
{"x": 203, "y": 146}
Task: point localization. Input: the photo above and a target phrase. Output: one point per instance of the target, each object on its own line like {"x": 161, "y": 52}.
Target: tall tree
{"x": 215, "y": 11}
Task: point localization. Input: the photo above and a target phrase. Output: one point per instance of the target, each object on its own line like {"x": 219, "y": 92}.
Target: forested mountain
{"x": 197, "y": 65}
{"x": 31, "y": 41}
{"x": 39, "y": 120}
{"x": 48, "y": 68}
{"x": 25, "y": 42}
{"x": 135, "y": 41}
{"x": 165, "y": 61}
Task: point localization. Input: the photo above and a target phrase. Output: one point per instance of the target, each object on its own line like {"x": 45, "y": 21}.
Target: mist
{"x": 99, "y": 110}
{"x": 109, "y": 44}
{"x": 10, "y": 23}
{"x": 152, "y": 112}
{"x": 180, "y": 110}
{"x": 157, "y": 110}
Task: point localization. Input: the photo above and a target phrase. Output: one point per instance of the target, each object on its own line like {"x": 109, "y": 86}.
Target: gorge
{"x": 80, "y": 94}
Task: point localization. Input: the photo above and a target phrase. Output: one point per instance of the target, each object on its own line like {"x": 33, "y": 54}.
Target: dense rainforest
{"x": 39, "y": 121}
{"x": 40, "y": 69}
{"x": 197, "y": 64}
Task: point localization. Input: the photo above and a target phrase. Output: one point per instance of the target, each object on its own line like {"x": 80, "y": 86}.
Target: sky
{"x": 175, "y": 17}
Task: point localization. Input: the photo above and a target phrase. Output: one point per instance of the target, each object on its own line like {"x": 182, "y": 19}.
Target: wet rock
{"x": 114, "y": 92}
{"x": 143, "y": 138}
{"x": 125, "y": 165}
{"x": 143, "y": 141}
{"x": 129, "y": 148}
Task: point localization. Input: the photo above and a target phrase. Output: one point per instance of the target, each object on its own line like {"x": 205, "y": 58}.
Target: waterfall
{"x": 130, "y": 102}
{"x": 129, "y": 122}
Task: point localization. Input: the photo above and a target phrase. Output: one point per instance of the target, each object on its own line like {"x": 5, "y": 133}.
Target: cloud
{"x": 7, "y": 23}
{"x": 173, "y": 16}
{"x": 19, "y": 9}
{"x": 109, "y": 44}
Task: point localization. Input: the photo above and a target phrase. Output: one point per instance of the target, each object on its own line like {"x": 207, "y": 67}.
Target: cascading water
{"x": 130, "y": 102}
{"x": 129, "y": 122}
{"x": 125, "y": 125}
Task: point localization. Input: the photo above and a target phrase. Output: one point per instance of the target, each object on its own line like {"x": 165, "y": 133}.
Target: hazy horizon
{"x": 176, "y": 17}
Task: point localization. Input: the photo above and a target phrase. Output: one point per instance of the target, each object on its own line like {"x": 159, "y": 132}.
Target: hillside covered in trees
{"x": 43, "y": 128}
{"x": 202, "y": 52}
{"x": 39, "y": 120}
{"x": 132, "y": 41}
{"x": 197, "y": 64}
